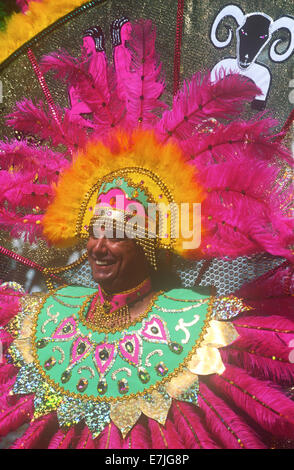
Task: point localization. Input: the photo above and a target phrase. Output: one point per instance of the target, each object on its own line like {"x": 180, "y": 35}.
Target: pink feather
{"x": 9, "y": 306}
{"x": 265, "y": 343}
{"x": 37, "y": 434}
{"x": 26, "y": 180}
{"x": 19, "y": 155}
{"x": 16, "y": 415}
{"x": 16, "y": 225}
{"x": 268, "y": 320}
{"x": 89, "y": 90}
{"x": 259, "y": 366}
{"x": 63, "y": 439}
{"x": 219, "y": 142}
{"x": 110, "y": 438}
{"x": 36, "y": 119}
{"x": 66, "y": 67}
{"x": 139, "y": 75}
{"x": 261, "y": 400}
{"x": 276, "y": 282}
{"x": 157, "y": 433}
{"x": 226, "y": 426}
{"x": 140, "y": 436}
{"x": 85, "y": 440}
{"x": 190, "y": 427}
{"x": 174, "y": 439}
{"x": 7, "y": 371}
{"x": 200, "y": 99}
{"x": 239, "y": 216}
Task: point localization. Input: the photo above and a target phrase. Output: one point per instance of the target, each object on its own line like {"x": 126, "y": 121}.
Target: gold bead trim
{"x": 276, "y": 330}
{"x": 129, "y": 291}
{"x": 121, "y": 173}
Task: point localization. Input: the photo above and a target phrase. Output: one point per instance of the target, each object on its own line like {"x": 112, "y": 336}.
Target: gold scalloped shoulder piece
{"x": 155, "y": 405}
{"x": 20, "y": 27}
{"x": 125, "y": 415}
{"x": 21, "y": 326}
{"x": 181, "y": 383}
{"x": 219, "y": 334}
{"x": 207, "y": 359}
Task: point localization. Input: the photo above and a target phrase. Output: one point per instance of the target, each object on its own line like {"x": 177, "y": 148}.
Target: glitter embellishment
{"x": 228, "y": 307}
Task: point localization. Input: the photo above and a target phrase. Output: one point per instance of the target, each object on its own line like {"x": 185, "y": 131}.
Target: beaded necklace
{"x": 107, "y": 309}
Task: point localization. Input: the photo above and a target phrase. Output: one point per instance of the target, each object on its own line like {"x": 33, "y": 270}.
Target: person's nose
{"x": 100, "y": 247}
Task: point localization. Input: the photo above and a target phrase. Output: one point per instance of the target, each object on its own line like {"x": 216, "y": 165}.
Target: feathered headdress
{"x": 117, "y": 119}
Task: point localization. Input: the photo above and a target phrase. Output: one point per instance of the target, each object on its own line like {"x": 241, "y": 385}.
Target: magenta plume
{"x": 200, "y": 99}
{"x": 16, "y": 415}
{"x": 140, "y": 436}
{"x": 36, "y": 434}
{"x": 63, "y": 439}
{"x": 261, "y": 400}
{"x": 141, "y": 77}
{"x": 85, "y": 441}
{"x": 191, "y": 428}
{"x": 229, "y": 429}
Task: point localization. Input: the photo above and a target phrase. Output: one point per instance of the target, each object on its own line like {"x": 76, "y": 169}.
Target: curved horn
{"x": 229, "y": 10}
{"x": 284, "y": 22}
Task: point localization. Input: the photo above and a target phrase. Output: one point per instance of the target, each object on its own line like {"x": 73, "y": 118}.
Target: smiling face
{"x": 117, "y": 264}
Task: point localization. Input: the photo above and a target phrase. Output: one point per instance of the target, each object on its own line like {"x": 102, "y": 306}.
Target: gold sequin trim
{"x": 163, "y": 436}
{"x": 254, "y": 327}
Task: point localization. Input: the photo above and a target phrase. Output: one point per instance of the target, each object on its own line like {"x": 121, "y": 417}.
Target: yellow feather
{"x": 20, "y": 27}
{"x": 138, "y": 149}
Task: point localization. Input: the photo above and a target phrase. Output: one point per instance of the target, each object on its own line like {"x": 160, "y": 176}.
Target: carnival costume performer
{"x": 127, "y": 364}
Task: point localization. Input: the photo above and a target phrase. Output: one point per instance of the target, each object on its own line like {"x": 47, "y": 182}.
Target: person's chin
{"x": 105, "y": 274}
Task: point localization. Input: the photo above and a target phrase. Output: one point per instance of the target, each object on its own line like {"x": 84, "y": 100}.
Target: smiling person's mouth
{"x": 104, "y": 262}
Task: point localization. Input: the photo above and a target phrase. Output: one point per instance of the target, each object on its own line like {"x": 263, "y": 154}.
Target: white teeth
{"x": 101, "y": 263}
